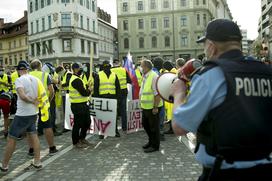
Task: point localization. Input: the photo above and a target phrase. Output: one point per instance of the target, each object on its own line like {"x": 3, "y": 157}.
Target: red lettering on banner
{"x": 98, "y": 123}
{"x": 71, "y": 120}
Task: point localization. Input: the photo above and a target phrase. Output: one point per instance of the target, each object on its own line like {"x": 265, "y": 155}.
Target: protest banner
{"x": 134, "y": 116}
{"x": 102, "y": 113}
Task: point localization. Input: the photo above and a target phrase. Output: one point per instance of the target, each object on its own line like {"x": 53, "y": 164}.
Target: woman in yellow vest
{"x": 79, "y": 96}
{"x": 151, "y": 104}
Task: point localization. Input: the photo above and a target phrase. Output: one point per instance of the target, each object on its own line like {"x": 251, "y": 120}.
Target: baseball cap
{"x": 22, "y": 65}
{"x": 76, "y": 66}
{"x": 221, "y": 30}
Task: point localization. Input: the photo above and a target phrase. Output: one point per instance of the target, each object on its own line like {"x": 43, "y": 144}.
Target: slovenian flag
{"x": 128, "y": 65}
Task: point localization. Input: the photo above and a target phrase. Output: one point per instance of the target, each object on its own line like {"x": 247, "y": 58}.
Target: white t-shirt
{"x": 30, "y": 86}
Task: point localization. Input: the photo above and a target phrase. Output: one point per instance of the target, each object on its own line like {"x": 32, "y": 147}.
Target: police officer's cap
{"x": 76, "y": 65}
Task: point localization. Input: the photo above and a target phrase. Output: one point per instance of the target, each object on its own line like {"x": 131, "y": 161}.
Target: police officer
{"x": 229, "y": 108}
{"x": 151, "y": 105}
{"x": 124, "y": 79}
{"x": 79, "y": 96}
{"x": 106, "y": 85}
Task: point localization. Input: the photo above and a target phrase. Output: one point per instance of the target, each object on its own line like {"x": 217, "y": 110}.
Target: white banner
{"x": 103, "y": 116}
{"x": 134, "y": 117}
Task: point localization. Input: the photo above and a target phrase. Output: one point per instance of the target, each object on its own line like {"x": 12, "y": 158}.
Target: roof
{"x": 14, "y": 29}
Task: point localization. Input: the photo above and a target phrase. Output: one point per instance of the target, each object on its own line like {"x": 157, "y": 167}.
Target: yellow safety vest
{"x": 147, "y": 94}
{"x": 139, "y": 77}
{"x": 42, "y": 76}
{"x": 4, "y": 79}
{"x": 122, "y": 76}
{"x": 14, "y": 77}
{"x": 74, "y": 95}
{"x": 44, "y": 104}
{"x": 107, "y": 85}
{"x": 63, "y": 81}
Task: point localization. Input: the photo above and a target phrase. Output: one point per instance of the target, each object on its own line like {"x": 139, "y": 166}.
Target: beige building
{"x": 165, "y": 28}
{"x": 13, "y": 42}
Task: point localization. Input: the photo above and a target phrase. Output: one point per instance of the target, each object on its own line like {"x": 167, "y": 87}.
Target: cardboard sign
{"x": 134, "y": 117}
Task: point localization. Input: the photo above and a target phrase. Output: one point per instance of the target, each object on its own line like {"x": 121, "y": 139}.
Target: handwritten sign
{"x": 102, "y": 113}
{"x": 134, "y": 117}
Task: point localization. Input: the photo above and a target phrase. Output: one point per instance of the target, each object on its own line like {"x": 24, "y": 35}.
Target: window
{"x": 88, "y": 47}
{"x": 154, "y": 42}
{"x": 37, "y": 26}
{"x": 42, "y": 3}
{"x": 21, "y": 57}
{"x": 88, "y": 4}
{"x": 81, "y": 2}
{"x": 205, "y": 19}
{"x": 140, "y": 23}
{"x": 93, "y": 6}
{"x": 184, "y": 40}
{"x": 204, "y": 2}
{"x": 10, "y": 60}
{"x": 165, "y": 4}
{"x": 31, "y": 28}
{"x": 31, "y": 7}
{"x": 65, "y": 1}
{"x": 81, "y": 21}
{"x": 183, "y": 21}
{"x": 38, "y": 49}
{"x": 20, "y": 43}
{"x": 125, "y": 25}
{"x": 1, "y": 46}
{"x": 126, "y": 43}
{"x": 153, "y": 4}
{"x": 14, "y": 44}
{"x": 50, "y": 47}
{"x": 65, "y": 19}
{"x": 125, "y": 7}
{"x": 166, "y": 22}
{"x": 25, "y": 40}
{"x": 66, "y": 43}
{"x": 82, "y": 46}
{"x": 49, "y": 22}
{"x": 88, "y": 24}
{"x": 141, "y": 42}
{"x": 9, "y": 45}
{"x": 94, "y": 26}
{"x": 43, "y": 24}
{"x": 183, "y": 3}
{"x": 167, "y": 41}
{"x": 197, "y": 2}
{"x": 36, "y": 5}
{"x": 198, "y": 19}
{"x": 153, "y": 23}
{"x": 15, "y": 59}
{"x": 94, "y": 48}
{"x": 140, "y": 6}
{"x": 48, "y": 2}
{"x": 44, "y": 46}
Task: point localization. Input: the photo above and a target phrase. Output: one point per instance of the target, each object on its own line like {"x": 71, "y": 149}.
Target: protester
{"x": 27, "y": 88}
{"x": 79, "y": 96}
{"x": 229, "y": 108}
{"x": 5, "y": 103}
{"x": 124, "y": 79}
{"x": 151, "y": 105}
{"x": 106, "y": 85}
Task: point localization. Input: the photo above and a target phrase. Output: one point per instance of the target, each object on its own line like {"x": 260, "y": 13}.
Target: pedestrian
{"x": 27, "y": 88}
{"x": 5, "y": 104}
{"x": 124, "y": 79}
{"x": 5, "y": 80}
{"x": 228, "y": 108}
{"x": 44, "y": 126}
{"x": 151, "y": 105}
{"x": 106, "y": 85}
{"x": 79, "y": 96}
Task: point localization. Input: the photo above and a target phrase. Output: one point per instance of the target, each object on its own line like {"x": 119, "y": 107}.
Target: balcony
{"x": 66, "y": 31}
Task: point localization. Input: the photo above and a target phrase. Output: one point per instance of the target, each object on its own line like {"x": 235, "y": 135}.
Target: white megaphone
{"x": 165, "y": 80}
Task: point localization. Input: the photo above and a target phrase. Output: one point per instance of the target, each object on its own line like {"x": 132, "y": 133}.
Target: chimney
{"x": 25, "y": 13}
{"x": 1, "y": 22}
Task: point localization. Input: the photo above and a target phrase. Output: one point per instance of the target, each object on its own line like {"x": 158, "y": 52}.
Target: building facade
{"x": 108, "y": 47}
{"x": 13, "y": 42}
{"x": 63, "y": 31}
{"x": 245, "y": 45}
{"x": 265, "y": 29}
{"x": 169, "y": 29}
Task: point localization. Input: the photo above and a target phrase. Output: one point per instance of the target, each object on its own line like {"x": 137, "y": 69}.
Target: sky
{"x": 245, "y": 12}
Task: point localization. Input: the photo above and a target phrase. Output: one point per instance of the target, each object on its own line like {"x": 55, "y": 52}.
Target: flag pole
{"x": 90, "y": 80}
